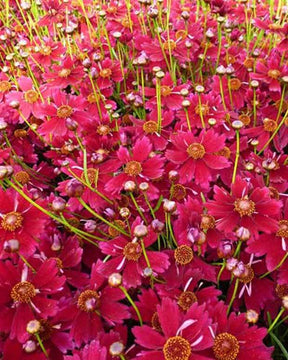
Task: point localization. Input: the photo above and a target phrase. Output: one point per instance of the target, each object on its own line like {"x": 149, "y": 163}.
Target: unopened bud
{"x": 140, "y": 231}
{"x": 115, "y": 280}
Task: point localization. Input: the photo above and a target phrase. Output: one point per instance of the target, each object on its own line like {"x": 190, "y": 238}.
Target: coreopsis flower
{"x": 19, "y": 222}
{"x": 137, "y": 167}
{"x": 270, "y": 71}
{"x": 63, "y": 108}
{"x": 92, "y": 306}
{"x": 28, "y": 98}
{"x": 26, "y": 294}
{"x": 234, "y": 339}
{"x": 196, "y": 156}
{"x": 108, "y": 72}
{"x": 182, "y": 336}
{"x": 47, "y": 51}
{"x": 246, "y": 206}
{"x": 67, "y": 73}
{"x": 128, "y": 257}
{"x": 14, "y": 350}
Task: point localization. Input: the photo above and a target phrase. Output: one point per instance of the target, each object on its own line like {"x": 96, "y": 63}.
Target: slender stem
{"x": 233, "y": 296}
{"x": 41, "y": 345}
{"x": 276, "y": 320}
{"x": 132, "y": 303}
{"x": 236, "y": 156}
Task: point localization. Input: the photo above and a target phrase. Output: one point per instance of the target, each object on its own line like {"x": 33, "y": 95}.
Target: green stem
{"x": 132, "y": 303}
{"x": 275, "y": 320}
{"x": 236, "y": 156}
{"x": 233, "y": 296}
{"x": 41, "y": 345}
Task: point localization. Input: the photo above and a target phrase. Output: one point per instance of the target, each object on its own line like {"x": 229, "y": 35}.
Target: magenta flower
{"x": 246, "y": 206}
{"x": 182, "y": 336}
{"x": 197, "y": 157}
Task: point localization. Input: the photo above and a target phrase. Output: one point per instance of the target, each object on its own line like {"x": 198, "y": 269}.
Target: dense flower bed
{"x": 144, "y": 177}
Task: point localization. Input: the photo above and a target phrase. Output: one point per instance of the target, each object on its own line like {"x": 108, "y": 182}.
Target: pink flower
{"x": 182, "y": 335}
{"x": 246, "y": 206}
{"x": 197, "y": 157}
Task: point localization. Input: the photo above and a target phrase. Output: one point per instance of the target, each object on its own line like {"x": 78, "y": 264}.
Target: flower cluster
{"x": 144, "y": 178}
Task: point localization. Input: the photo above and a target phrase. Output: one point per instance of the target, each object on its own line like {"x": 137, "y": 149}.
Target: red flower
{"x": 138, "y": 167}
{"x": 29, "y": 99}
{"x": 234, "y": 339}
{"x": 23, "y": 295}
{"x": 127, "y": 256}
{"x": 197, "y": 156}
{"x": 63, "y": 75}
{"x": 270, "y": 72}
{"x": 20, "y": 222}
{"x": 91, "y": 351}
{"x": 247, "y": 207}
{"x": 93, "y": 304}
{"x": 182, "y": 336}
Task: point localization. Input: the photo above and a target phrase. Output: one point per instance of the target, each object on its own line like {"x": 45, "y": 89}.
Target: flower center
{"x": 20, "y": 133}
{"x": 274, "y": 73}
{"x": 5, "y": 86}
{"x": 150, "y": 127}
{"x": 186, "y": 299}
{"x": 245, "y": 119}
{"x": 196, "y": 151}
{"x": 207, "y": 222}
{"x": 93, "y": 98}
{"x": 248, "y": 274}
{"x": 105, "y": 73}
{"x": 203, "y": 109}
{"x": 269, "y": 125}
{"x": 155, "y": 322}
{"x": 244, "y": 206}
{"x": 64, "y": 111}
{"x": 178, "y": 192}
{"x": 132, "y": 251}
{"x": 226, "y": 347}
{"x": 235, "y": 84}
{"x": 92, "y": 176}
{"x": 183, "y": 255}
{"x": 22, "y": 177}
{"x": 12, "y": 221}
{"x": 281, "y": 290}
{"x": 112, "y": 231}
{"x": 31, "y": 96}
{"x": 88, "y": 301}
{"x": 133, "y": 168}
{"x": 23, "y": 292}
{"x": 46, "y": 50}
{"x": 169, "y": 44}
{"x": 283, "y": 229}
{"x": 177, "y": 348}
{"x": 64, "y": 73}
{"x": 165, "y": 90}
{"x": 103, "y": 130}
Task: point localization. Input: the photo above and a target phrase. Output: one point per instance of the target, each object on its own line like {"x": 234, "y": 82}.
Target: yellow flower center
{"x": 274, "y": 74}
{"x": 177, "y": 348}
{"x": 64, "y": 111}
{"x": 133, "y": 168}
{"x": 88, "y": 301}
{"x": 226, "y": 347}
{"x": 244, "y": 206}
{"x": 23, "y": 292}
{"x": 31, "y": 96}
{"x": 12, "y": 221}
{"x": 196, "y": 151}
{"x": 150, "y": 127}
{"x": 186, "y": 299}
{"x": 64, "y": 73}
{"x": 183, "y": 255}
{"x": 132, "y": 251}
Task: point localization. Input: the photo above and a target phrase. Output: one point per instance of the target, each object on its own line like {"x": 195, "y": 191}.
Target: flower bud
{"x": 11, "y": 246}
{"x": 140, "y": 231}
{"x": 90, "y": 226}
{"x": 115, "y": 280}
{"x": 74, "y": 188}
{"x": 169, "y": 206}
{"x": 58, "y": 204}
{"x": 252, "y": 316}
{"x": 124, "y": 212}
{"x": 116, "y": 348}
{"x": 225, "y": 249}
{"x": 130, "y": 186}
{"x": 33, "y": 326}
{"x": 29, "y": 346}
{"x": 157, "y": 225}
{"x": 243, "y": 233}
